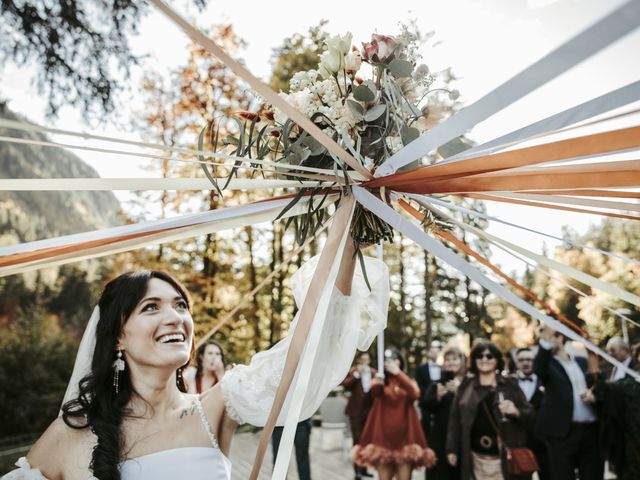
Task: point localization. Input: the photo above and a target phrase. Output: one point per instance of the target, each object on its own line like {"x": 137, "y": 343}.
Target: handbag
{"x": 520, "y": 460}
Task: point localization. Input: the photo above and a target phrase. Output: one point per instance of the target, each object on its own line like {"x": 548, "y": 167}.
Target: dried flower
{"x": 246, "y": 115}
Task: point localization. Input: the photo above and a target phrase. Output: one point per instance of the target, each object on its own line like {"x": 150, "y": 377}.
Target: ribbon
{"x": 572, "y": 148}
{"x": 408, "y": 229}
{"x": 422, "y": 199}
{"x": 592, "y": 108}
{"x": 614, "y": 26}
{"x": 312, "y": 312}
{"x": 449, "y": 237}
{"x": 261, "y": 88}
{"x": 545, "y": 205}
{"x": 177, "y": 184}
{"x": 547, "y": 262}
{"x": 571, "y": 200}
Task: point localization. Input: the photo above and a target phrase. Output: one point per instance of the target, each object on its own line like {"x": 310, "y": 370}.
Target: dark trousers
{"x": 301, "y": 443}
{"x": 578, "y": 450}
{"x": 356, "y": 422}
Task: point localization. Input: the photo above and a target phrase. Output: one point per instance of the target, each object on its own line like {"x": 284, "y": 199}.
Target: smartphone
{"x": 446, "y": 376}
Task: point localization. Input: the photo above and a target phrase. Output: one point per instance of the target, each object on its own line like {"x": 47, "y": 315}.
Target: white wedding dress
{"x": 352, "y": 323}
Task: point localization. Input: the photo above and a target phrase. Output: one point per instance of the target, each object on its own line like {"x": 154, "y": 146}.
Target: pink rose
{"x": 381, "y": 49}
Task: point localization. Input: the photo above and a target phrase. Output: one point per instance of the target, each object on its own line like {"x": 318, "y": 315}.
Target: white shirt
{"x": 618, "y": 373}
{"x": 528, "y": 387}
{"x": 365, "y": 379}
{"x": 434, "y": 371}
{"x": 582, "y": 412}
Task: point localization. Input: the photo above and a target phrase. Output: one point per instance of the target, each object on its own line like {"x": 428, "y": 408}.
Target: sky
{"x": 485, "y": 43}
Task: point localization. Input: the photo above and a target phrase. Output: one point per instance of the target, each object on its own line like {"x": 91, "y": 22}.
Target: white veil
{"x": 84, "y": 357}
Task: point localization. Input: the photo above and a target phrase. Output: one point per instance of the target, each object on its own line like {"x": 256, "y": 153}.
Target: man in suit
{"x": 426, "y": 374}
{"x": 619, "y": 349}
{"x": 614, "y": 426}
{"x": 358, "y": 382}
{"x": 534, "y": 392}
{"x": 567, "y": 420}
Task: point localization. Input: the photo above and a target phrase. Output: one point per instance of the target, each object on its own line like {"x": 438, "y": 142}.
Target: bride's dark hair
{"x": 97, "y": 406}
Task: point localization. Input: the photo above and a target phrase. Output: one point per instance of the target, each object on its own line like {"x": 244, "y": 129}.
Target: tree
{"x": 297, "y": 53}
{"x": 75, "y": 44}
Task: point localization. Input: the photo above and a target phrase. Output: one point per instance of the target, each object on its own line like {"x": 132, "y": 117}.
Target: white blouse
{"x": 249, "y": 390}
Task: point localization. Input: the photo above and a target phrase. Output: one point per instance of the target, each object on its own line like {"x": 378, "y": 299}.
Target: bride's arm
{"x": 60, "y": 451}
{"x": 354, "y": 316}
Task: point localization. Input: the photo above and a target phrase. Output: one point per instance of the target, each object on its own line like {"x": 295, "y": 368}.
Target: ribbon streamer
{"x": 323, "y": 274}
{"x": 553, "y": 264}
{"x": 608, "y": 30}
{"x": 592, "y": 108}
{"x": 407, "y": 228}
{"x": 262, "y": 89}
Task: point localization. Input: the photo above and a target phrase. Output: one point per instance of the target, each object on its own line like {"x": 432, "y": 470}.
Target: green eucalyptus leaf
{"x": 409, "y": 134}
{"x": 356, "y": 109}
{"x": 363, "y": 93}
{"x": 401, "y": 68}
{"x": 453, "y": 147}
{"x": 375, "y": 112}
{"x": 313, "y": 145}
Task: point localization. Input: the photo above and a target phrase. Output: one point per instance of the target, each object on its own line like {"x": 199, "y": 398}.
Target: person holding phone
{"x": 488, "y": 413}
{"x": 392, "y": 441}
{"x": 437, "y": 400}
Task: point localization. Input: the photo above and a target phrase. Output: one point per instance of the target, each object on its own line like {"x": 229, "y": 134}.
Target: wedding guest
{"x": 426, "y": 374}
{"x": 567, "y": 419}
{"x": 358, "y": 383}
{"x": 620, "y": 350}
{"x": 392, "y": 440}
{"x": 438, "y": 401}
{"x": 209, "y": 370}
{"x": 533, "y": 391}
{"x": 616, "y": 431}
{"x": 301, "y": 446}
{"x": 487, "y": 407}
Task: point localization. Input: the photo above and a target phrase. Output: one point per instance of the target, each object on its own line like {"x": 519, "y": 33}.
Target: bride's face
{"x": 159, "y": 331}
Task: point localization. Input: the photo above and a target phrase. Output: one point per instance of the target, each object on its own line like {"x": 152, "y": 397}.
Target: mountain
{"x": 28, "y": 216}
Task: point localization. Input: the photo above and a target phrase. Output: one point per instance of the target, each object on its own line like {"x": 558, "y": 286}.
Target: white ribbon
{"x": 435, "y": 201}
{"x": 176, "y": 184}
{"x": 240, "y": 219}
{"x": 306, "y": 362}
{"x": 380, "y": 344}
{"x": 555, "y": 265}
{"x": 592, "y": 108}
{"x": 569, "y": 200}
{"x": 445, "y": 254}
{"x": 600, "y": 35}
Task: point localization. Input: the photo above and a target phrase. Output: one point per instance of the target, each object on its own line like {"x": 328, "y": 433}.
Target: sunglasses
{"x": 486, "y": 356}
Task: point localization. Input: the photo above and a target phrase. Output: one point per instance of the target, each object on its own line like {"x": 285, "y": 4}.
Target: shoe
{"x": 358, "y": 477}
{"x": 367, "y": 474}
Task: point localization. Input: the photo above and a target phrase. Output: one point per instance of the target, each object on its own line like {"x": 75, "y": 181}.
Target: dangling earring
{"x": 118, "y": 366}
{"x": 179, "y": 379}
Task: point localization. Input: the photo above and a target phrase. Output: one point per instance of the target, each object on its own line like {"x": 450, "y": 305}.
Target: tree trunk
{"x": 429, "y": 262}
{"x": 403, "y": 311}
{"x": 253, "y": 280}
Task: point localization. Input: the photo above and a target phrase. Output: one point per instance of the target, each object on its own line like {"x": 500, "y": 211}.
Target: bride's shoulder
{"x": 59, "y": 447}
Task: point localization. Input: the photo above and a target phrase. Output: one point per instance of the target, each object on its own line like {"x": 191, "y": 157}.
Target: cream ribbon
{"x": 445, "y": 254}
{"x": 262, "y": 89}
{"x": 311, "y": 346}
{"x": 175, "y": 184}
{"x": 452, "y": 206}
{"x": 555, "y": 265}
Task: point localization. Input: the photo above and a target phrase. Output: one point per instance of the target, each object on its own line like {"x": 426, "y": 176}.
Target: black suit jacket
{"x": 423, "y": 377}
{"x": 556, "y": 411}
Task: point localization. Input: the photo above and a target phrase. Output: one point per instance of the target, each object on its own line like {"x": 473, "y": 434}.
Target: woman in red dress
{"x": 209, "y": 369}
{"x": 392, "y": 440}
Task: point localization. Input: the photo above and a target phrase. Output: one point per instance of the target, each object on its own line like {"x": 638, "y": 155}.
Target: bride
{"x": 129, "y": 416}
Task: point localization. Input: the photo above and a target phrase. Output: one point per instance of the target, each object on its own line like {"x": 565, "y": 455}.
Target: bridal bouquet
{"x": 372, "y": 101}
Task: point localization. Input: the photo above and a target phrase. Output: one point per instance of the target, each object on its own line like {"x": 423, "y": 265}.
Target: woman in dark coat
{"x": 472, "y": 443}
{"x": 437, "y": 400}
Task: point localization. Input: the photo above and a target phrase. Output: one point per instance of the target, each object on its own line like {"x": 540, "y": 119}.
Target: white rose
{"x": 340, "y": 44}
{"x": 331, "y": 61}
